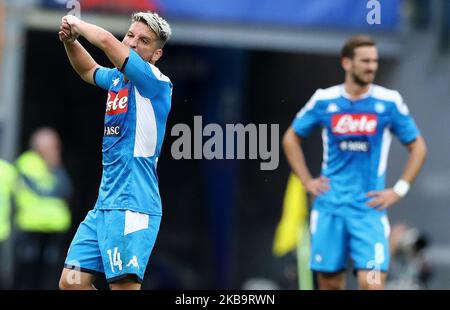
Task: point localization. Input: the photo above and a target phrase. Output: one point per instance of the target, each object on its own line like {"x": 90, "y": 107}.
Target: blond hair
{"x": 156, "y": 23}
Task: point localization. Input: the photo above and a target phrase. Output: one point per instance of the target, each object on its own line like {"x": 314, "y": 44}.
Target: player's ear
{"x": 157, "y": 55}
{"x": 346, "y": 63}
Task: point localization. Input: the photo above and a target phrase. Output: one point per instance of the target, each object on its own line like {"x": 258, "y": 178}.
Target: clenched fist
{"x": 67, "y": 33}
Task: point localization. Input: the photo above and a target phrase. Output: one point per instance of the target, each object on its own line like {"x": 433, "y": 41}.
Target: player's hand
{"x": 68, "y": 27}
{"x": 63, "y": 37}
{"x": 318, "y": 186}
{"x": 382, "y": 199}
{"x": 64, "y": 33}
{"x": 71, "y": 20}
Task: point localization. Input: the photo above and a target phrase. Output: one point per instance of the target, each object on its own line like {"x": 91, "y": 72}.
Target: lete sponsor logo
{"x": 354, "y": 124}
{"x": 117, "y": 103}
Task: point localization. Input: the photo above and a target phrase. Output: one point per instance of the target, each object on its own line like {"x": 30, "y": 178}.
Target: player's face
{"x": 144, "y": 41}
{"x": 48, "y": 146}
{"x": 364, "y": 65}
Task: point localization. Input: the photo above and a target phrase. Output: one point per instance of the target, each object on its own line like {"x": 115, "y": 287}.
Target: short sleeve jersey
{"x": 356, "y": 138}
{"x": 135, "y": 122}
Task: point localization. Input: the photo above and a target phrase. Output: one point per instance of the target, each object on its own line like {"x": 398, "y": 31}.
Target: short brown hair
{"x": 354, "y": 42}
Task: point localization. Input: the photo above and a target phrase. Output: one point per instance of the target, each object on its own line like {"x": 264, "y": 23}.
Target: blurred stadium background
{"x": 231, "y": 61}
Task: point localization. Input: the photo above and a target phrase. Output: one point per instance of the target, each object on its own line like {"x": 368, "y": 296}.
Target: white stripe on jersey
{"x": 158, "y": 74}
{"x": 325, "y": 148}
{"x": 146, "y": 136}
{"x": 320, "y": 94}
{"x": 385, "y": 145}
{"x": 383, "y": 93}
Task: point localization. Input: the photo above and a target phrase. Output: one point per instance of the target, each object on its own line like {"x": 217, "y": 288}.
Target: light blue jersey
{"x": 356, "y": 138}
{"x": 135, "y": 123}
{"x": 117, "y": 237}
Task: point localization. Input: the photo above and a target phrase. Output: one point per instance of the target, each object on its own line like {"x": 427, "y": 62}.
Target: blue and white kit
{"x": 117, "y": 236}
{"x": 356, "y": 138}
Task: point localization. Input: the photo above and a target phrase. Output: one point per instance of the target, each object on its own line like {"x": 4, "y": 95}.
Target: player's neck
{"x": 356, "y": 91}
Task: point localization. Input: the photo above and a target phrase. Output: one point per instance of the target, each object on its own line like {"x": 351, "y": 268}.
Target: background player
{"x": 349, "y": 216}
{"x": 118, "y": 235}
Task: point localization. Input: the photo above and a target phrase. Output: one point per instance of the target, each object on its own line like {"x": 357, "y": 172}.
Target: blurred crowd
{"x": 34, "y": 214}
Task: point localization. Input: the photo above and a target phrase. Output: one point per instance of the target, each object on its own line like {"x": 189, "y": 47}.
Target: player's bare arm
{"x": 79, "y": 58}
{"x": 417, "y": 155}
{"x": 294, "y": 154}
{"x": 116, "y": 51}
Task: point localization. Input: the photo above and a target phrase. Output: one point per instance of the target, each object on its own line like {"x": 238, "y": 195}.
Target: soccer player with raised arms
{"x": 118, "y": 234}
{"x": 357, "y": 119}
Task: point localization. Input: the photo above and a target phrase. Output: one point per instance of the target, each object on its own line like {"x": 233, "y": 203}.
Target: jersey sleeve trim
{"x": 411, "y": 140}
{"x": 124, "y": 64}
{"x": 95, "y": 73}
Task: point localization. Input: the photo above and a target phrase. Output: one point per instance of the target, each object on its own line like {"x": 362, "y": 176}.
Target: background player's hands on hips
{"x": 382, "y": 199}
{"x": 318, "y": 186}
{"x": 67, "y": 33}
